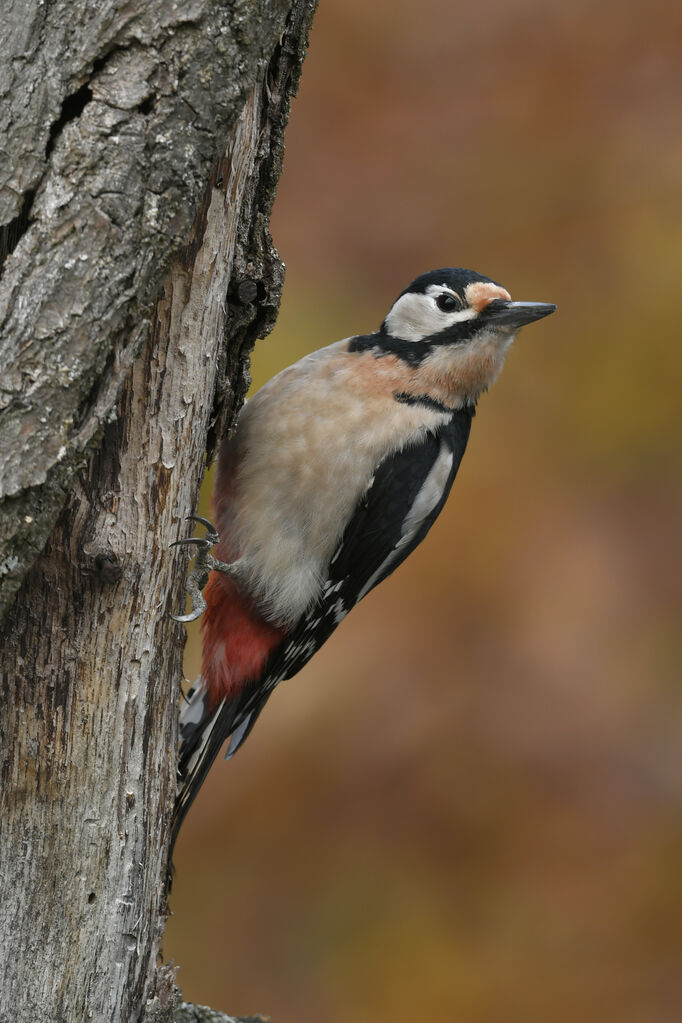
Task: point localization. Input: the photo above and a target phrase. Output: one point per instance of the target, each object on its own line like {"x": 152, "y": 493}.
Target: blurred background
{"x": 468, "y": 806}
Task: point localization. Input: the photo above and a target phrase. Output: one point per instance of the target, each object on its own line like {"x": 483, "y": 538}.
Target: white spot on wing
{"x": 339, "y": 611}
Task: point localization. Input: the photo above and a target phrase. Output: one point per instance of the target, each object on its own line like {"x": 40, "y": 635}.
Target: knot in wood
{"x": 108, "y": 569}
{"x": 246, "y": 291}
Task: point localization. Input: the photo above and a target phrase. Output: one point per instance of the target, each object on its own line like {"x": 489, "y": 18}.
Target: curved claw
{"x": 198, "y": 541}
{"x": 211, "y": 532}
{"x": 190, "y": 617}
{"x": 203, "y": 563}
{"x": 210, "y": 540}
{"x": 210, "y": 528}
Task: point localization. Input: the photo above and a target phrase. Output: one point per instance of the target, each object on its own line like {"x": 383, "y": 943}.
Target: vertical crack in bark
{"x": 12, "y": 232}
{"x": 72, "y": 107}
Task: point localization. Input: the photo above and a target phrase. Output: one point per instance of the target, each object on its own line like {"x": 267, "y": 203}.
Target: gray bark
{"x": 186, "y": 1013}
{"x": 111, "y": 115}
{"x": 142, "y": 145}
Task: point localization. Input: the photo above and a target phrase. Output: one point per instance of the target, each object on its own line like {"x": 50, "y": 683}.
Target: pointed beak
{"x": 515, "y": 314}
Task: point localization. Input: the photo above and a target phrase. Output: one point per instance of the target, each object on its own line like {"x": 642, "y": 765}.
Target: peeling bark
{"x": 116, "y": 186}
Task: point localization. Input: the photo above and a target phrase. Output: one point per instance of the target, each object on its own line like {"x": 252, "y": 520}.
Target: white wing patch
{"x": 426, "y": 500}
{"x": 430, "y": 493}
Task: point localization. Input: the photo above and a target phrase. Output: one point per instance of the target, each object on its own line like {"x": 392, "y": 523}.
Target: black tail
{"x": 202, "y": 734}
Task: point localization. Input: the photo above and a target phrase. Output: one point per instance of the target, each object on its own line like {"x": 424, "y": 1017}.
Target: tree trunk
{"x": 115, "y": 193}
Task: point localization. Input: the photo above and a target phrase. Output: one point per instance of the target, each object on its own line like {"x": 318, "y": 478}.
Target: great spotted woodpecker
{"x": 335, "y": 472}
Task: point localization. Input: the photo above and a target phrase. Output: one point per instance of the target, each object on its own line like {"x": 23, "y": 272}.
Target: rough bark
{"x": 186, "y": 1013}
{"x": 115, "y": 187}
{"x": 111, "y": 115}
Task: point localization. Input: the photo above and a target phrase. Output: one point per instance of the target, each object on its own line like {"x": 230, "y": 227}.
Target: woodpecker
{"x": 335, "y": 472}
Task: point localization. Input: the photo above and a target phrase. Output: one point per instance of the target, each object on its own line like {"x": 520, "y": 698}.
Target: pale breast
{"x": 307, "y": 447}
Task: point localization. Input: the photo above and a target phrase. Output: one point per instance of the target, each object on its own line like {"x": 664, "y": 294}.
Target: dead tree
{"x": 141, "y": 147}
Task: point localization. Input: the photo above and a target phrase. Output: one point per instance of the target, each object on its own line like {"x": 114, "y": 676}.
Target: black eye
{"x": 447, "y": 303}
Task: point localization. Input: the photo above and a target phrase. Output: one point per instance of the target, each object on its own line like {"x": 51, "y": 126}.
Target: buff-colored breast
{"x": 306, "y": 447}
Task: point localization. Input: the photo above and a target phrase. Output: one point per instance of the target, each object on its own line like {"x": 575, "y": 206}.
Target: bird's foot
{"x": 204, "y": 563}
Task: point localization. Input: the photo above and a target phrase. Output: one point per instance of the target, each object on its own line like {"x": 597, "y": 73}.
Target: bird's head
{"x": 455, "y": 326}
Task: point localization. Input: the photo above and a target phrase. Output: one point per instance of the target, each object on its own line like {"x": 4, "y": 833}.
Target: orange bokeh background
{"x": 467, "y": 807}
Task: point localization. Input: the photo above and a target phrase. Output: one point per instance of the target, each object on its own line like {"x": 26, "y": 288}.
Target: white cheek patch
{"x": 416, "y": 316}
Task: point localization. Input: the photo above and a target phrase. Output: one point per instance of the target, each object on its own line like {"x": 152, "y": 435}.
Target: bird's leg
{"x": 204, "y": 563}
